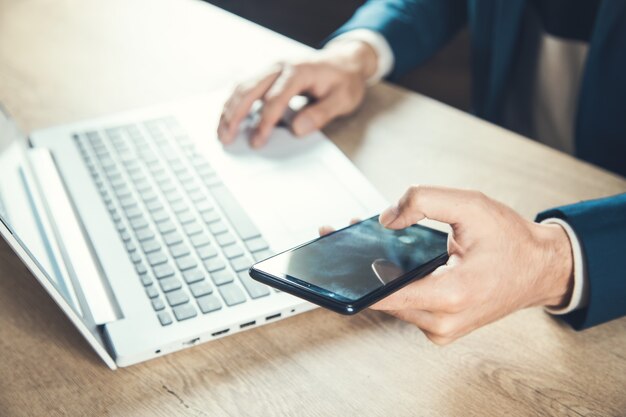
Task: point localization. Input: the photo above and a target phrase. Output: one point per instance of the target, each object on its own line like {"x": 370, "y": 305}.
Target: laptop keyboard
{"x": 190, "y": 241}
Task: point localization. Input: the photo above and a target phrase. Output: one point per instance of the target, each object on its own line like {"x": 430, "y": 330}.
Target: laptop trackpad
{"x": 293, "y": 186}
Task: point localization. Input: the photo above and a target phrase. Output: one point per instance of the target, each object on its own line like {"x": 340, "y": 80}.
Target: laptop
{"x": 142, "y": 226}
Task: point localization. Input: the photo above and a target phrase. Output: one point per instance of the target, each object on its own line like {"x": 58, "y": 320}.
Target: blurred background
{"x": 446, "y": 77}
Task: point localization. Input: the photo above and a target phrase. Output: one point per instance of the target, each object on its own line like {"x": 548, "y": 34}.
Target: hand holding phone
{"x": 352, "y": 268}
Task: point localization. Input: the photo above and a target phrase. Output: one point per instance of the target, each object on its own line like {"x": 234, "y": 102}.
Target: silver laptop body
{"x": 141, "y": 226}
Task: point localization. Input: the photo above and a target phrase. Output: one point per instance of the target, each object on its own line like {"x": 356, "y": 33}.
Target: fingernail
{"x": 256, "y": 141}
{"x": 389, "y": 215}
{"x": 303, "y": 126}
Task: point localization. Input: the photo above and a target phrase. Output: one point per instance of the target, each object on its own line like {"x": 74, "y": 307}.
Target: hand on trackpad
{"x": 282, "y": 143}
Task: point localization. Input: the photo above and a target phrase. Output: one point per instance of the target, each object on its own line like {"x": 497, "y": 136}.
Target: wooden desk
{"x": 66, "y": 60}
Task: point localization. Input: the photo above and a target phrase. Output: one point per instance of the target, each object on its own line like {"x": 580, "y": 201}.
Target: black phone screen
{"x": 353, "y": 262}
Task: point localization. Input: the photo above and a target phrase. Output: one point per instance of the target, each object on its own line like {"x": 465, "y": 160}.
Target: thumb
{"x": 443, "y": 204}
{"x": 317, "y": 115}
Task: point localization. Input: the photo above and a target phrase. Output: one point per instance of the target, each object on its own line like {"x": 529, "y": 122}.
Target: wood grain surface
{"x": 63, "y": 60}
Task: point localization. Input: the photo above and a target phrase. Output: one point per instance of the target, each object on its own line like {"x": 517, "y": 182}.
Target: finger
{"x": 240, "y": 102}
{"x": 422, "y": 319}
{"x": 438, "y": 339}
{"x": 325, "y": 230}
{"x": 440, "y": 329}
{"x": 275, "y": 102}
{"x": 316, "y": 116}
{"x": 355, "y": 220}
{"x": 427, "y": 294}
{"x": 437, "y": 203}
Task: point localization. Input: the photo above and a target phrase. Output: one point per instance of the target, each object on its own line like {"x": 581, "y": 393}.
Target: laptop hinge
{"x": 76, "y": 251}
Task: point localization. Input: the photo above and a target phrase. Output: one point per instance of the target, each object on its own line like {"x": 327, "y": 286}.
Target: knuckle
{"x": 444, "y": 327}
{"x": 413, "y": 193}
{"x": 456, "y": 300}
{"x": 439, "y": 340}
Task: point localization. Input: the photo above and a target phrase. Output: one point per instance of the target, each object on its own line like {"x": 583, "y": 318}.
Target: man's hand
{"x": 334, "y": 77}
{"x": 499, "y": 263}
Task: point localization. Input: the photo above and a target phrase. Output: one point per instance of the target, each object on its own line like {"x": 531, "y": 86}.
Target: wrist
{"x": 557, "y": 266}
{"x": 354, "y": 55}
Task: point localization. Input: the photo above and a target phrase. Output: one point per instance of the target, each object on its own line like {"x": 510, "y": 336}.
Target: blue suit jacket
{"x": 416, "y": 29}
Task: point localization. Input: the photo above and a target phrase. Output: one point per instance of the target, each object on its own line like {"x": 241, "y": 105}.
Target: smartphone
{"x": 352, "y": 268}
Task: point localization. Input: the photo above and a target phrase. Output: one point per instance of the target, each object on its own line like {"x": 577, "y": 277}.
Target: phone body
{"x": 354, "y": 267}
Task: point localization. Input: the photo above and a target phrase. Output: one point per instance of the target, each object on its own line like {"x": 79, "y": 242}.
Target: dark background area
{"x": 445, "y": 77}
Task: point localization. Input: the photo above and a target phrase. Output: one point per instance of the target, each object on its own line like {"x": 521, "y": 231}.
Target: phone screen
{"x": 353, "y": 262}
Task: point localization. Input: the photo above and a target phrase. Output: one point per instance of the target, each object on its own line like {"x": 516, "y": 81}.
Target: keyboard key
{"x": 163, "y": 271}
{"x": 255, "y": 289}
{"x": 138, "y": 223}
{"x": 185, "y": 312}
{"x": 173, "y": 196}
{"x": 204, "y": 206}
{"x": 209, "y": 303}
{"x": 145, "y": 279}
{"x": 200, "y": 288}
{"x": 256, "y": 244}
{"x": 225, "y": 239}
{"x": 197, "y": 196}
{"x": 211, "y": 180}
{"x": 170, "y": 284}
{"x": 152, "y": 291}
{"x": 125, "y": 236}
{"x": 149, "y": 246}
{"x": 177, "y": 297}
{"x": 214, "y": 264}
{"x": 238, "y": 218}
{"x": 261, "y": 255}
{"x": 186, "y": 262}
{"x": 186, "y": 217}
{"x": 148, "y": 195}
{"x": 135, "y": 257}
{"x": 167, "y": 185}
{"x": 218, "y": 227}
{"x": 193, "y": 275}
{"x": 179, "y": 250}
{"x": 242, "y": 263}
{"x": 156, "y": 258}
{"x": 210, "y": 216}
{"x": 130, "y": 246}
{"x": 192, "y": 228}
{"x": 199, "y": 240}
{"x": 179, "y": 206}
{"x": 160, "y": 216}
{"x": 232, "y": 294}
{"x": 164, "y": 318}
{"x": 140, "y": 267}
{"x": 222, "y": 277}
{"x": 172, "y": 238}
{"x": 206, "y": 252}
{"x": 144, "y": 234}
{"x": 158, "y": 304}
{"x": 154, "y": 205}
{"x": 128, "y": 202}
{"x": 166, "y": 227}
{"x": 233, "y": 251}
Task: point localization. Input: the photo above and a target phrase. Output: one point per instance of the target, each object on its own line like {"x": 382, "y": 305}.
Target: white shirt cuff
{"x": 380, "y": 46}
{"x": 581, "y": 286}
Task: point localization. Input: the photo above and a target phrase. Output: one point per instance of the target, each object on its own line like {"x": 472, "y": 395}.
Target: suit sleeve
{"x": 415, "y": 29}
{"x": 600, "y": 226}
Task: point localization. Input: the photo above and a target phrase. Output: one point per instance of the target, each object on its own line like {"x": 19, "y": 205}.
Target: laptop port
{"x": 220, "y": 332}
{"x": 273, "y": 316}
{"x": 248, "y": 324}
{"x": 192, "y": 341}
